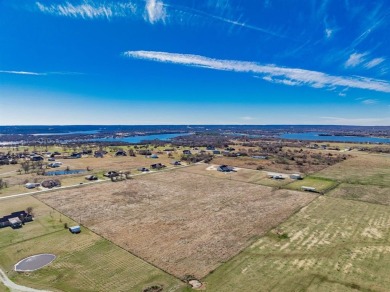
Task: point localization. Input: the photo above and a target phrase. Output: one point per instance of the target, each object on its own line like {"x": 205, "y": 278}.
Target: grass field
{"x": 370, "y": 169}
{"x": 85, "y": 262}
{"x": 366, "y": 193}
{"x": 321, "y": 184}
{"x": 241, "y": 174}
{"x": 3, "y": 288}
{"x": 182, "y": 222}
{"x": 330, "y": 245}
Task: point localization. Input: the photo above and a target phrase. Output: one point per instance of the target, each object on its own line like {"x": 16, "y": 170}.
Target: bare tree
{"x": 26, "y": 166}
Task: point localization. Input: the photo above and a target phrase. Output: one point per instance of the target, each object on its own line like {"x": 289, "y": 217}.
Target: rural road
{"x": 88, "y": 183}
{"x": 15, "y": 287}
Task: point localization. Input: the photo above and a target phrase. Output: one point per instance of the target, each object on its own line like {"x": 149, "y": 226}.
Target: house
{"x": 275, "y": 175}
{"x": 54, "y": 164}
{"x": 187, "y": 152}
{"x": 75, "y": 155}
{"x": 157, "y": 166}
{"x": 154, "y": 156}
{"x": 36, "y": 158}
{"x": 175, "y": 162}
{"x": 225, "y": 168}
{"x": 15, "y": 219}
{"x": 75, "y": 229}
{"x": 99, "y": 154}
{"x": 15, "y": 222}
{"x": 111, "y": 173}
{"x": 31, "y": 185}
{"x": 295, "y": 176}
{"x": 121, "y": 153}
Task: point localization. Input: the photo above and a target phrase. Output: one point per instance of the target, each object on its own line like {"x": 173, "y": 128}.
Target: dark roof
{"x": 225, "y": 168}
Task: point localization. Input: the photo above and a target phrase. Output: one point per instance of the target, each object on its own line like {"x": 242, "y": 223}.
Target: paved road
{"x": 15, "y": 287}
{"x": 88, "y": 183}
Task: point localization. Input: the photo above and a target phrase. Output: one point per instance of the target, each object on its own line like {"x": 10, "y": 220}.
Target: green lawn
{"x": 85, "y": 262}
{"x": 3, "y": 288}
{"x": 330, "y": 245}
{"x": 321, "y": 184}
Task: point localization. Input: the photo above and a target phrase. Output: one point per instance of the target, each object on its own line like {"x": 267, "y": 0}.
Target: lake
{"x": 138, "y": 139}
{"x": 313, "y": 136}
{"x": 64, "y": 172}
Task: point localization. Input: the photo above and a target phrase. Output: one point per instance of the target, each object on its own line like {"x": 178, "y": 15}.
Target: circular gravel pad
{"x": 34, "y": 262}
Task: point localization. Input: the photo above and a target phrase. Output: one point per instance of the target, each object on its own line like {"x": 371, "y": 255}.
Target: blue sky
{"x": 195, "y": 62}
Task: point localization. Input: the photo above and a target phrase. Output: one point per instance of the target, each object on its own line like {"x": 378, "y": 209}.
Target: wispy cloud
{"x": 247, "y": 118}
{"x": 22, "y": 73}
{"x": 155, "y": 11}
{"x": 374, "y": 62}
{"x": 369, "y": 101}
{"x": 38, "y": 73}
{"x": 355, "y": 59}
{"x": 272, "y": 73}
{"x": 89, "y": 10}
{"x": 357, "y": 121}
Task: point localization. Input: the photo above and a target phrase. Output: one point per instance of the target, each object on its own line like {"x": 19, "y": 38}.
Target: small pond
{"x": 64, "y": 172}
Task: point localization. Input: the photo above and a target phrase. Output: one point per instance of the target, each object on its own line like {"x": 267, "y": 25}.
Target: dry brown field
{"x": 240, "y": 174}
{"x": 270, "y": 165}
{"x": 365, "y": 193}
{"x": 184, "y": 223}
{"x": 364, "y": 169}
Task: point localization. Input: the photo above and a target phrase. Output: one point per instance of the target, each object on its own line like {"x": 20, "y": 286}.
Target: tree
{"x": 26, "y": 166}
{"x": 29, "y": 210}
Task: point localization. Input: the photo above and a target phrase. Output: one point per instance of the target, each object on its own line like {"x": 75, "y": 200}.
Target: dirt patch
{"x": 182, "y": 222}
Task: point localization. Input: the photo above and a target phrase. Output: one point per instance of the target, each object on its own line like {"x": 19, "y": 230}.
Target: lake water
{"x": 64, "y": 172}
{"x": 138, "y": 139}
{"x": 315, "y": 137}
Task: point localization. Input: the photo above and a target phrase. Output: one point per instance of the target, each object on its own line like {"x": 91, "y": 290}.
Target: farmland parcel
{"x": 182, "y": 222}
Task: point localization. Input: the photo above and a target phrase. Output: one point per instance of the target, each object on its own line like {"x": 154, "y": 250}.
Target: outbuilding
{"x": 308, "y": 189}
{"x": 295, "y": 176}
{"x": 75, "y": 229}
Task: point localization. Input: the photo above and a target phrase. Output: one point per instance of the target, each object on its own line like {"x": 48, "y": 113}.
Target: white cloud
{"x": 357, "y": 121}
{"x": 89, "y": 10}
{"x": 248, "y": 118}
{"x": 22, "y": 73}
{"x": 355, "y": 59}
{"x": 155, "y": 11}
{"x": 328, "y": 33}
{"x": 369, "y": 101}
{"x": 272, "y": 73}
{"x": 374, "y": 62}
